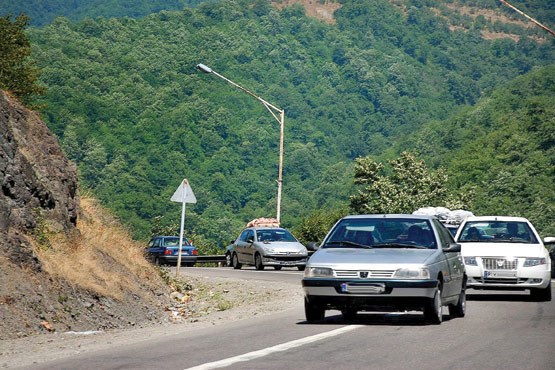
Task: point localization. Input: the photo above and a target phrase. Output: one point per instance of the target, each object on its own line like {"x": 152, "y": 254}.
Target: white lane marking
{"x": 278, "y": 348}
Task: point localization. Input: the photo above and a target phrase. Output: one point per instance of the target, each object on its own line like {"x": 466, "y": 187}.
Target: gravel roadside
{"x": 215, "y": 301}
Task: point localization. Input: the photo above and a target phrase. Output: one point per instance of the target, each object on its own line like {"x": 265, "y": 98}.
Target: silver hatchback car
{"x": 386, "y": 263}
{"x": 267, "y": 246}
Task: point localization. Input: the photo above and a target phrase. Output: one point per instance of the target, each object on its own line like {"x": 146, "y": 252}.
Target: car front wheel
{"x": 235, "y": 262}
{"x": 541, "y": 295}
{"x": 258, "y": 262}
{"x": 313, "y": 311}
{"x": 433, "y": 311}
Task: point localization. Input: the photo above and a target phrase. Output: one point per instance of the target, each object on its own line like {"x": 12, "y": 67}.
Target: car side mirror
{"x": 549, "y": 240}
{"x": 250, "y": 240}
{"x": 312, "y": 246}
{"x": 452, "y": 248}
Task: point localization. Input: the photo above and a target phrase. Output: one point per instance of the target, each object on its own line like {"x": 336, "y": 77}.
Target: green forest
{"x": 130, "y": 108}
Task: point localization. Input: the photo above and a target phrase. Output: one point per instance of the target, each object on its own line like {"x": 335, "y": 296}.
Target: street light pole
{"x": 277, "y": 113}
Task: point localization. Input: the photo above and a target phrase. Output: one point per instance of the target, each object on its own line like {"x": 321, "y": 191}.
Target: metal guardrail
{"x": 211, "y": 259}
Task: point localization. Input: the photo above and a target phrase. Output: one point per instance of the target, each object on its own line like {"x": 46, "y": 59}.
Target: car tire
{"x": 258, "y": 262}
{"x": 313, "y": 312}
{"x": 228, "y": 262}
{"x": 301, "y": 268}
{"x": 459, "y": 309}
{"x": 235, "y": 262}
{"x": 277, "y": 268}
{"x": 433, "y": 310}
{"x": 541, "y": 295}
{"x": 157, "y": 261}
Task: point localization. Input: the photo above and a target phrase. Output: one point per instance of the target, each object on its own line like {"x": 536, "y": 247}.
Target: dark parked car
{"x": 164, "y": 250}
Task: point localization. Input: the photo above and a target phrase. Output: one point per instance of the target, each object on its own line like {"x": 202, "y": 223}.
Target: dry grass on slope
{"x": 101, "y": 258}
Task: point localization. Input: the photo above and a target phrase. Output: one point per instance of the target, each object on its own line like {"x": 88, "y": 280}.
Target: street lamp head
{"x": 204, "y": 68}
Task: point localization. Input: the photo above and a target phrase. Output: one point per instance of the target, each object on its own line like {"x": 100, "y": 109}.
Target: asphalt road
{"x": 502, "y": 330}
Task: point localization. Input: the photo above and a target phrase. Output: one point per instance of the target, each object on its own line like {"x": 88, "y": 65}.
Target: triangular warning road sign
{"x": 184, "y": 193}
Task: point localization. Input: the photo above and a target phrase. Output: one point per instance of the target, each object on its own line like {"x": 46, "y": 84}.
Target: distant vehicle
{"x": 450, "y": 219}
{"x": 266, "y": 246}
{"x": 386, "y": 263}
{"x": 163, "y": 250}
{"x": 452, "y": 228}
{"x": 505, "y": 253}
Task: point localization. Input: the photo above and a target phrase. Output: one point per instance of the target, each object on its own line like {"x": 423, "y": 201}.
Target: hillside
{"x": 64, "y": 263}
{"x": 503, "y": 149}
{"x": 120, "y": 88}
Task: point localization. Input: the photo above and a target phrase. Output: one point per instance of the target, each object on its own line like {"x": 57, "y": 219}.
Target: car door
{"x": 454, "y": 270}
{"x": 154, "y": 248}
{"x": 242, "y": 246}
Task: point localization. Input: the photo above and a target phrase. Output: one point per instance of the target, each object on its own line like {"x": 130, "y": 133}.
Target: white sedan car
{"x": 505, "y": 253}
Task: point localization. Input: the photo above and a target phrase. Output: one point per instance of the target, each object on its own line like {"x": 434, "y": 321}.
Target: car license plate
{"x": 499, "y": 274}
{"x": 363, "y": 288}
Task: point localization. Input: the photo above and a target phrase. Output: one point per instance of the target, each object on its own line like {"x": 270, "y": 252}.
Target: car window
{"x": 172, "y": 242}
{"x": 445, "y": 235}
{"x": 151, "y": 243}
{"x": 274, "y": 235}
{"x": 243, "y": 236}
{"x": 378, "y": 232}
{"x": 497, "y": 231}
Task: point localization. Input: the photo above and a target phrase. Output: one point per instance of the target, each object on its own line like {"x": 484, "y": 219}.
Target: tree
{"x": 17, "y": 73}
{"x": 408, "y": 185}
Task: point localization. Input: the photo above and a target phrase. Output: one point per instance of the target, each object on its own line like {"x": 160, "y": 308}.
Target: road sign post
{"x": 183, "y": 194}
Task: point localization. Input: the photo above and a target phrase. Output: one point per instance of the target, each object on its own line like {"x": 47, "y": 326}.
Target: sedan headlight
{"x": 318, "y": 272}
{"x": 470, "y": 261}
{"x": 412, "y": 273}
{"x": 534, "y": 261}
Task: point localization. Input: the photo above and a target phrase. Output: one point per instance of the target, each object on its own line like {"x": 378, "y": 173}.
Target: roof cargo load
{"x": 263, "y": 222}
{"x": 445, "y": 215}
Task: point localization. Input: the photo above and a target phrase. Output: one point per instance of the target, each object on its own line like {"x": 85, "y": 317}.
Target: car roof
{"x": 391, "y": 215}
{"x": 496, "y": 218}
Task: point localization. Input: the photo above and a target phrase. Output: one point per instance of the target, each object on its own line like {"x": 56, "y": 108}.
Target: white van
{"x": 502, "y": 252}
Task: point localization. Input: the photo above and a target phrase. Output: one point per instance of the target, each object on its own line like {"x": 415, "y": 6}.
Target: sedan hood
{"x": 283, "y": 247}
{"x": 503, "y": 249}
{"x": 356, "y": 256}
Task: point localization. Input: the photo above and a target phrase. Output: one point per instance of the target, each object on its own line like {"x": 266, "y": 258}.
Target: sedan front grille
{"x": 492, "y": 263}
{"x": 364, "y": 274}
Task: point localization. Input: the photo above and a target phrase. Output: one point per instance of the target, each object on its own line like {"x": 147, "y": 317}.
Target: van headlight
{"x": 412, "y": 273}
{"x": 318, "y": 272}
{"x": 534, "y": 261}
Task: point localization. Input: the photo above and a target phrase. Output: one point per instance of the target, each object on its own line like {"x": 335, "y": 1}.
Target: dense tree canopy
{"x": 18, "y": 73}
{"x": 134, "y": 114}
{"x": 403, "y": 188}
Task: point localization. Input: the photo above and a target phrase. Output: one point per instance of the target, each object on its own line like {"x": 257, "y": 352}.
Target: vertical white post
{"x": 178, "y": 267}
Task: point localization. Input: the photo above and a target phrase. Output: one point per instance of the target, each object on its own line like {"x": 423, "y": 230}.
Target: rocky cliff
{"x": 64, "y": 265}
{"x": 38, "y": 182}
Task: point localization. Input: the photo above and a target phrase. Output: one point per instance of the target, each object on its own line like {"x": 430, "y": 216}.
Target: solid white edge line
{"x": 277, "y": 348}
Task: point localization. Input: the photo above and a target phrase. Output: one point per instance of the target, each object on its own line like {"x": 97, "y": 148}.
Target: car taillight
{"x": 168, "y": 252}
{"x": 195, "y": 252}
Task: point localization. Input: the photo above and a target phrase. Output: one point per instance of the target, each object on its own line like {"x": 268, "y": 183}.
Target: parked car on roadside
{"x": 386, "y": 263}
{"x": 505, "y": 253}
{"x": 266, "y": 246}
{"x": 163, "y": 250}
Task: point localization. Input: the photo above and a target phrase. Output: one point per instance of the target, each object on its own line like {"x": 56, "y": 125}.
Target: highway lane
{"x": 502, "y": 330}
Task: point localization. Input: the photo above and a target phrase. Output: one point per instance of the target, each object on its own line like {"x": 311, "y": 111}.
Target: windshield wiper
{"x": 349, "y": 243}
{"x": 399, "y": 245}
